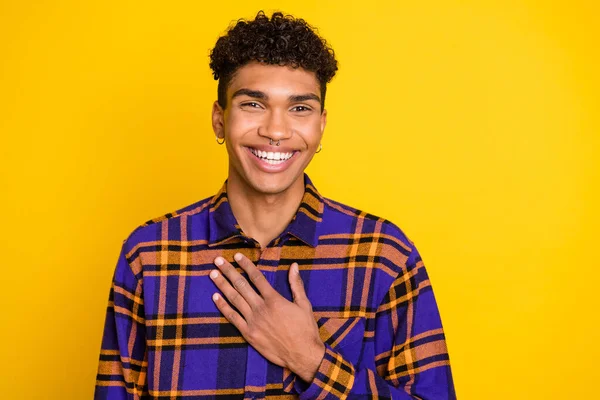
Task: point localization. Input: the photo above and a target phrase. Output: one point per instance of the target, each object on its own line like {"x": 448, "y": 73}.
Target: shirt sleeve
{"x": 123, "y": 363}
{"x": 411, "y": 357}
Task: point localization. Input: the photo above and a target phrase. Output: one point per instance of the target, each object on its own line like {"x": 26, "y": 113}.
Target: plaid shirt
{"x": 164, "y": 338}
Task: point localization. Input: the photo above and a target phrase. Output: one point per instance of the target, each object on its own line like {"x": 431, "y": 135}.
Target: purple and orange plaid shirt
{"x": 164, "y": 338}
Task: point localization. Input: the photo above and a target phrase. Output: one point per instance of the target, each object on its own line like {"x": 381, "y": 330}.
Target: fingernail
{"x": 214, "y": 273}
{"x": 219, "y": 261}
{"x": 295, "y": 268}
{"x": 215, "y": 296}
{"x": 237, "y": 257}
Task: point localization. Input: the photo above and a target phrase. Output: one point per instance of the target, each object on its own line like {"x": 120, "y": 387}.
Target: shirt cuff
{"x": 333, "y": 379}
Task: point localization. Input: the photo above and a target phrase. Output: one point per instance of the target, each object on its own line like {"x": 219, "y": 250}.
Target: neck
{"x": 263, "y": 216}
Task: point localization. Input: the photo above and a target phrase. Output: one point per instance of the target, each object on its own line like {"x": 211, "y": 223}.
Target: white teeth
{"x": 272, "y": 157}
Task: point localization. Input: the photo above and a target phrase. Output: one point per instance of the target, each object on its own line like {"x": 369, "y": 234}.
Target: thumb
{"x": 297, "y": 285}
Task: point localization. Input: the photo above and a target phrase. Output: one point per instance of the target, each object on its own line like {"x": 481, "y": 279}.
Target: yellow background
{"x": 472, "y": 125}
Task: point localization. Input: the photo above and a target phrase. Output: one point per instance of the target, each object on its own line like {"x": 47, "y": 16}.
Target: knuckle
{"x": 256, "y": 276}
{"x": 252, "y": 333}
{"x": 240, "y": 283}
{"x": 260, "y": 309}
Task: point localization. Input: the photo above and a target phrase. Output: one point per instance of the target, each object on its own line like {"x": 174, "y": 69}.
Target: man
{"x": 268, "y": 289}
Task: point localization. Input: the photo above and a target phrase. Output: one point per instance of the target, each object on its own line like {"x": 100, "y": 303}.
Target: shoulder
{"x": 364, "y": 227}
{"x": 151, "y": 230}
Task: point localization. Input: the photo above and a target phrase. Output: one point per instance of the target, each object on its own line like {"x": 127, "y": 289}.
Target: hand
{"x": 284, "y": 332}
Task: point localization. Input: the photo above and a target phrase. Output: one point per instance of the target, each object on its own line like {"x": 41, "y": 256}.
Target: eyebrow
{"x": 257, "y": 94}
{"x": 304, "y": 97}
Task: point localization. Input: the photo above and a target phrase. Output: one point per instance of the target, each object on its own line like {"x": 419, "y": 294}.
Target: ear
{"x": 323, "y": 121}
{"x": 218, "y": 118}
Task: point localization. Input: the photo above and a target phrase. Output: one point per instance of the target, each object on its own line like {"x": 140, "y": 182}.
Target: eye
{"x": 301, "y": 108}
{"x": 251, "y": 104}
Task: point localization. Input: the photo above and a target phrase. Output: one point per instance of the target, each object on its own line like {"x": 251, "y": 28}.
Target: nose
{"x": 275, "y": 126}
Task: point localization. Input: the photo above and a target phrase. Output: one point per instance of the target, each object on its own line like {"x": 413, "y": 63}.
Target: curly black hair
{"x": 279, "y": 40}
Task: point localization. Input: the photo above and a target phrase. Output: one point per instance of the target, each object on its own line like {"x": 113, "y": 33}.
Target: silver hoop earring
{"x": 217, "y": 139}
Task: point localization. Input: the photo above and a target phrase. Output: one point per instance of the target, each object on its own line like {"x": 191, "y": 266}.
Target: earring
{"x": 217, "y": 139}
{"x": 320, "y": 148}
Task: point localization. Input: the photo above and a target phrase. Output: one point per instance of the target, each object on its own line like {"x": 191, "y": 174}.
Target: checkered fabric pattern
{"x": 164, "y": 338}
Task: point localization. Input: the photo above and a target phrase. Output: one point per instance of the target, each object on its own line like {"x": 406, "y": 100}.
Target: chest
{"x": 188, "y": 337}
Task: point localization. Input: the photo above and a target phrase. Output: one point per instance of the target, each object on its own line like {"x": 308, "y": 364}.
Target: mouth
{"x": 272, "y": 157}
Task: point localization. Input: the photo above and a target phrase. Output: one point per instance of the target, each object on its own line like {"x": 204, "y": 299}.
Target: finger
{"x": 297, "y": 285}
{"x": 255, "y": 275}
{"x": 232, "y": 295}
{"x": 238, "y": 281}
{"x": 230, "y": 314}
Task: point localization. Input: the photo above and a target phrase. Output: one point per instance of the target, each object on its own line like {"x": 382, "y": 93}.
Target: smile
{"x": 272, "y": 157}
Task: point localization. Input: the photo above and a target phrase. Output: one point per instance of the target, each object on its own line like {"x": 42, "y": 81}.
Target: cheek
{"x": 311, "y": 133}
{"x": 238, "y": 124}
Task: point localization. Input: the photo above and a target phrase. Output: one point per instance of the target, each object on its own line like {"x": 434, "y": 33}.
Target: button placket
{"x": 257, "y": 365}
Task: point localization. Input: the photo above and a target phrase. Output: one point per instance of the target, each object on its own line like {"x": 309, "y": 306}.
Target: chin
{"x": 266, "y": 183}
{"x": 271, "y": 186}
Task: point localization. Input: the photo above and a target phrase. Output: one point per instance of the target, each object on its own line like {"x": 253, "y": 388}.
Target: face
{"x": 267, "y": 102}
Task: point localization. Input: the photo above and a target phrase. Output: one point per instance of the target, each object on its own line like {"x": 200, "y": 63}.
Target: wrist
{"x": 306, "y": 368}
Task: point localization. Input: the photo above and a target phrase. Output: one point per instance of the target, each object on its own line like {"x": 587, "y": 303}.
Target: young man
{"x": 267, "y": 289}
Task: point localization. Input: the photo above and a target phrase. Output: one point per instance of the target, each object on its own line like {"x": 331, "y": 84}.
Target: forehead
{"x": 274, "y": 79}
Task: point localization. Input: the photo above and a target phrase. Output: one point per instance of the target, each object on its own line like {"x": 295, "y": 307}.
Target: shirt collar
{"x": 223, "y": 226}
